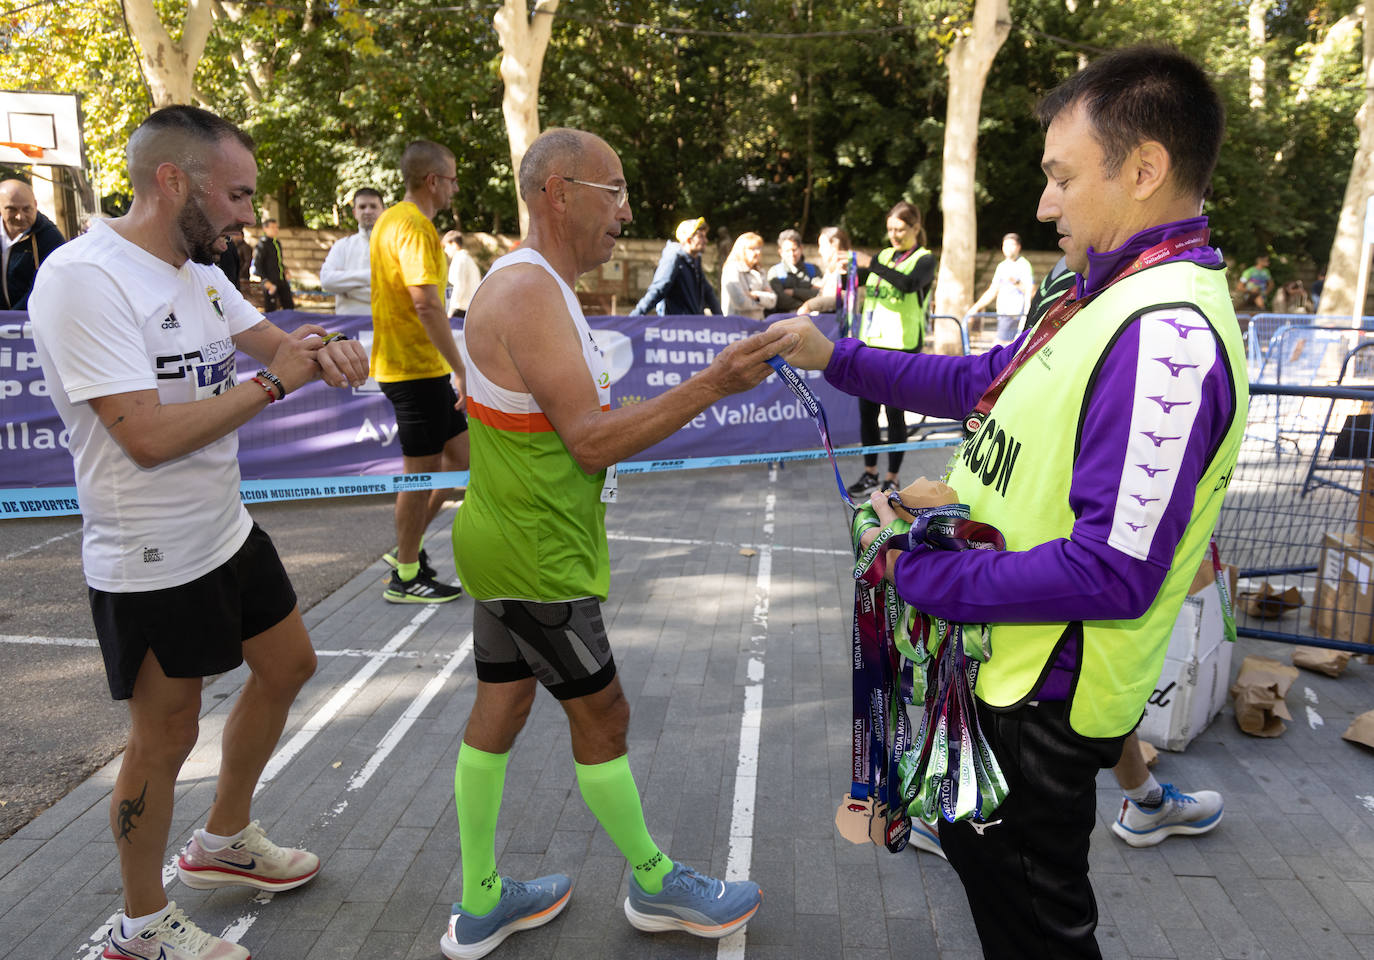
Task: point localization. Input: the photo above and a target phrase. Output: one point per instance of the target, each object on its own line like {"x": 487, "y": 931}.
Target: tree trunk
{"x": 524, "y": 38}
{"x": 169, "y": 65}
{"x": 1255, "y": 32}
{"x": 970, "y": 59}
{"x": 1345, "y": 259}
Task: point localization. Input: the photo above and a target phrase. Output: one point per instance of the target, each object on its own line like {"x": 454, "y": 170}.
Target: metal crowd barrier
{"x": 1297, "y": 514}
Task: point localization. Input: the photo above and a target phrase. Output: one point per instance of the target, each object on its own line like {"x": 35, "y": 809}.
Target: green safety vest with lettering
{"x": 894, "y": 320}
{"x": 1016, "y": 470}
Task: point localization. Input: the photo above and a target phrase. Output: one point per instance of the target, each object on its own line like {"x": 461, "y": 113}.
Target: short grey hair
{"x": 552, "y": 154}
{"x": 420, "y": 159}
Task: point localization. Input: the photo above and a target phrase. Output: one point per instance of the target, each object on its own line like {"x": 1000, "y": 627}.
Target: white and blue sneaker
{"x": 925, "y": 838}
{"x": 1179, "y": 813}
{"x": 523, "y": 906}
{"x": 697, "y": 904}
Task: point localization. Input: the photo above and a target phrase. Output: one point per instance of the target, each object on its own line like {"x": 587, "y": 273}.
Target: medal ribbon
{"x": 1064, "y": 310}
{"x": 945, "y": 766}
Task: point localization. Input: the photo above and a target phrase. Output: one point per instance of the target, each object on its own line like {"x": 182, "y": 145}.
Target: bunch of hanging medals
{"x": 900, "y": 657}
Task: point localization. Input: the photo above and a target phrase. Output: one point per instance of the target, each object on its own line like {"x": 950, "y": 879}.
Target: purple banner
{"x": 321, "y": 431}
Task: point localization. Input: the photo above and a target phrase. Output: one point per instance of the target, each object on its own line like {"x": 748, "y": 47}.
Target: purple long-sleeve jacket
{"x": 1092, "y": 575}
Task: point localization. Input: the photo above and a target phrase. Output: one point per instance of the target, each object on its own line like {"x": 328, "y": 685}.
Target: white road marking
{"x": 1366, "y": 801}
{"x": 49, "y": 641}
{"x": 412, "y": 713}
{"x": 39, "y": 546}
{"x": 685, "y": 542}
{"x": 1314, "y": 719}
{"x": 1309, "y": 695}
{"x": 751, "y": 723}
{"x": 316, "y": 723}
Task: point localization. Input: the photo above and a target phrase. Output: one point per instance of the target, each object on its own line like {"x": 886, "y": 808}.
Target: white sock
{"x": 213, "y": 841}
{"x": 130, "y": 927}
{"x": 1148, "y": 794}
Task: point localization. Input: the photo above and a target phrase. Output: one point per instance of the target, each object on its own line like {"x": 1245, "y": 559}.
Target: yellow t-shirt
{"x": 405, "y": 252}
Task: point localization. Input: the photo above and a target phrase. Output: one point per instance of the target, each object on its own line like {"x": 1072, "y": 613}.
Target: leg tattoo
{"x": 128, "y": 810}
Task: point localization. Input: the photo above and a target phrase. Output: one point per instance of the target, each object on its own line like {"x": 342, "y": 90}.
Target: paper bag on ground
{"x": 1268, "y": 602}
{"x": 1361, "y": 730}
{"x": 1258, "y": 691}
{"x": 1330, "y": 662}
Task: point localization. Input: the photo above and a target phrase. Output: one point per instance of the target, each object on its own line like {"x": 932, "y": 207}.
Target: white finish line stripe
{"x": 92, "y": 642}
{"x": 682, "y": 542}
{"x": 750, "y": 727}
{"x": 316, "y": 723}
{"x": 407, "y": 720}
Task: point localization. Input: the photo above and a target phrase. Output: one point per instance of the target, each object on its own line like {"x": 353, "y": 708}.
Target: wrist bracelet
{"x": 272, "y": 378}
{"x": 334, "y": 336}
{"x": 271, "y": 394}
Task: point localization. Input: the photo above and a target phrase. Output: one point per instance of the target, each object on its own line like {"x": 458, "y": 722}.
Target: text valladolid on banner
{"x": 323, "y": 432}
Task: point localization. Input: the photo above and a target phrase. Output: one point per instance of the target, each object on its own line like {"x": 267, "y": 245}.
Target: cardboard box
{"x": 1192, "y": 687}
{"x": 1343, "y": 605}
{"x": 1364, "y": 516}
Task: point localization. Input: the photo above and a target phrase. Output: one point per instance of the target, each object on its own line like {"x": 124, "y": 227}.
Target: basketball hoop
{"x": 27, "y": 149}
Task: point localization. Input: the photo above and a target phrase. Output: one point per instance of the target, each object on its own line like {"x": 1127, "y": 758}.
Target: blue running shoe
{"x": 697, "y": 904}
{"x": 523, "y": 906}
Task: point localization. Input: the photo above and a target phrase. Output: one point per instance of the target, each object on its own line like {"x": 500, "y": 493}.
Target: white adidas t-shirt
{"x": 109, "y": 317}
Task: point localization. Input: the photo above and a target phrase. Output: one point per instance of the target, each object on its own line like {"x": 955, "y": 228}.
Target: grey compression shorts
{"x": 564, "y": 645}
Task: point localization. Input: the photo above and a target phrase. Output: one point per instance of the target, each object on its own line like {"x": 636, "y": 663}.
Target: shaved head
{"x": 555, "y": 152}
{"x": 180, "y": 135}
{"x": 18, "y": 207}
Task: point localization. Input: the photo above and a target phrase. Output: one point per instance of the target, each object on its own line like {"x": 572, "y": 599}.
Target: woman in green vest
{"x": 897, "y": 286}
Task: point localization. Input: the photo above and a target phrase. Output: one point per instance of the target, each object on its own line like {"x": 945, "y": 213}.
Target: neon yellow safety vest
{"x": 892, "y": 319}
{"x": 1015, "y": 473}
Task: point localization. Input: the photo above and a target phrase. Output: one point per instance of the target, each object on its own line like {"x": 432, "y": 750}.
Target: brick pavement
{"x": 1288, "y": 873}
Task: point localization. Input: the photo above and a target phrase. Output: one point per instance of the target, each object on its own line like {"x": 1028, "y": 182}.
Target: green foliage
{"x": 741, "y": 117}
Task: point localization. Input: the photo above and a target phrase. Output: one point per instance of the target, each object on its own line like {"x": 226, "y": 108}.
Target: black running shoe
{"x": 389, "y": 558}
{"x": 422, "y": 589}
{"x": 866, "y": 482}
{"x": 891, "y": 486}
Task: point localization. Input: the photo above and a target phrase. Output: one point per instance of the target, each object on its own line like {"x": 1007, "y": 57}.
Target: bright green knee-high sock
{"x": 610, "y": 793}
{"x": 477, "y": 784}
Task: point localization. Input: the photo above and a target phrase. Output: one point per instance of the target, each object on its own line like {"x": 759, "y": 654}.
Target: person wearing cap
{"x": 680, "y": 287}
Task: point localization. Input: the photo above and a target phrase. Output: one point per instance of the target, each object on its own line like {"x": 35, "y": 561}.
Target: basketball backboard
{"x": 50, "y": 122}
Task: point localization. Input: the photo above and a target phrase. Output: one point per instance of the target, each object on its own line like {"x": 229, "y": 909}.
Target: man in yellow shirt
{"x": 413, "y": 357}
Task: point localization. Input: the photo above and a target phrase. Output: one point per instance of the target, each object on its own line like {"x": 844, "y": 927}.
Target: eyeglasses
{"x": 622, "y": 192}
{"x": 445, "y": 176}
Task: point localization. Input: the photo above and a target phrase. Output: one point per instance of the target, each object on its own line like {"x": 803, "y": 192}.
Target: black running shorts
{"x": 196, "y": 629}
{"x": 564, "y": 645}
{"x": 425, "y": 415}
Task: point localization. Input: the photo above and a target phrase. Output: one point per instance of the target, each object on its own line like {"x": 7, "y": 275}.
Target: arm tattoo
{"x": 128, "y": 810}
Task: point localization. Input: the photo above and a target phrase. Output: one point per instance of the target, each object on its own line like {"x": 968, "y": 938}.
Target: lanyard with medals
{"x": 1065, "y": 309}
{"x": 888, "y": 773}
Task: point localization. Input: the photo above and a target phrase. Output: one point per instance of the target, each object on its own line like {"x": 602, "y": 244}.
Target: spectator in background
{"x": 269, "y": 264}
{"x": 347, "y": 270}
{"x": 836, "y": 249}
{"x": 463, "y": 274}
{"x": 1252, "y": 289}
{"x": 743, "y": 286}
{"x": 792, "y": 278}
{"x": 1013, "y": 284}
{"x": 229, "y": 263}
{"x": 1292, "y": 298}
{"x": 897, "y": 286}
{"x": 680, "y": 287}
{"x": 26, "y": 240}
{"x": 1317, "y": 288}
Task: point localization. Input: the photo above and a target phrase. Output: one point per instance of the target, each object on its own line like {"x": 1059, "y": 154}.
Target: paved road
{"x": 62, "y": 726}
{"x": 728, "y": 604}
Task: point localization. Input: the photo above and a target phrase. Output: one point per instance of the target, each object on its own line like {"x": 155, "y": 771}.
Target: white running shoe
{"x": 1181, "y": 813}
{"x": 174, "y": 937}
{"x": 252, "y": 860}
